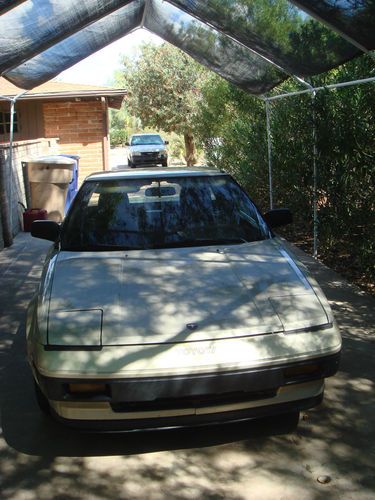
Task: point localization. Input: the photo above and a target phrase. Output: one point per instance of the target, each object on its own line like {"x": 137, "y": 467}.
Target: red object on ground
{"x": 32, "y": 214}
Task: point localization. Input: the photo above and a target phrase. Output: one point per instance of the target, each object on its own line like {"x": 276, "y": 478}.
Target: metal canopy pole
{"x": 12, "y": 101}
{"x": 315, "y": 152}
{"x": 315, "y": 180}
{"x": 324, "y": 87}
{"x": 269, "y": 145}
{"x": 315, "y": 173}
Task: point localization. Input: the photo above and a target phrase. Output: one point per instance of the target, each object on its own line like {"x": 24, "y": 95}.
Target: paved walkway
{"x": 39, "y": 459}
{"x": 118, "y": 158}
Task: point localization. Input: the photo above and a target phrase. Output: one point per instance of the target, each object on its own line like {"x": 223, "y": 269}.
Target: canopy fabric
{"x": 352, "y": 18}
{"x": 74, "y": 48}
{"x": 8, "y": 4}
{"x": 255, "y": 44}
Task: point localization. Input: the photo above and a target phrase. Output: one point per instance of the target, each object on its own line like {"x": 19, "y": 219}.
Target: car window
{"x": 145, "y": 140}
{"x": 161, "y": 213}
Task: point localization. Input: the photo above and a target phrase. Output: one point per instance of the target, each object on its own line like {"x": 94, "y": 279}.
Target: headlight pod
{"x": 79, "y": 328}
{"x": 136, "y": 153}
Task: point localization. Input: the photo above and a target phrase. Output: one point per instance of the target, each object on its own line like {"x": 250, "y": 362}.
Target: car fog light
{"x": 87, "y": 388}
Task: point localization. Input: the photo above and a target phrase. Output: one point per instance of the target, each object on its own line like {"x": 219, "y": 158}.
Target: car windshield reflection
{"x": 146, "y": 140}
{"x": 137, "y": 214}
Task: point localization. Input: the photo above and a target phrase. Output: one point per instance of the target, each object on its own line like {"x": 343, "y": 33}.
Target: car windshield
{"x": 141, "y": 140}
{"x": 161, "y": 213}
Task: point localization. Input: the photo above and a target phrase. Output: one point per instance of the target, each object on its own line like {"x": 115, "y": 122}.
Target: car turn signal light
{"x": 89, "y": 388}
{"x": 298, "y": 371}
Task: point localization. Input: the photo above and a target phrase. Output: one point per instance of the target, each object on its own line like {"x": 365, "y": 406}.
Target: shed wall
{"x": 80, "y": 127}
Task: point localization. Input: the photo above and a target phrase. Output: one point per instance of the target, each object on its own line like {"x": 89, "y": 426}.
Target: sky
{"x": 98, "y": 69}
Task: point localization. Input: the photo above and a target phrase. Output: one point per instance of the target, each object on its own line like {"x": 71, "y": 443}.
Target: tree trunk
{"x": 189, "y": 149}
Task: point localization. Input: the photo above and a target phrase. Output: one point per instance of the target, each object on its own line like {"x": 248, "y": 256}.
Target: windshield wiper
{"x": 99, "y": 248}
{"x": 200, "y": 242}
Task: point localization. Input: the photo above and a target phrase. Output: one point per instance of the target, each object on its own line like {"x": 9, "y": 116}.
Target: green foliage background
{"x": 232, "y": 126}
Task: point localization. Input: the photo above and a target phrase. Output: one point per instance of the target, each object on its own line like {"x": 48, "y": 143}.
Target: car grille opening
{"x": 196, "y": 401}
{"x": 148, "y": 156}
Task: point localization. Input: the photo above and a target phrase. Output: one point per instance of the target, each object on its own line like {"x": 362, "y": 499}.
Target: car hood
{"x": 150, "y": 148}
{"x": 179, "y": 295}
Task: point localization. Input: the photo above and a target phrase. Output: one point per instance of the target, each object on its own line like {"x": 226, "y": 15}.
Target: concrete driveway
{"x": 118, "y": 158}
{"x": 42, "y": 460}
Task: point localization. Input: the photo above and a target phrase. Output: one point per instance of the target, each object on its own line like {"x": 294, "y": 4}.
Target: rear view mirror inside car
{"x": 160, "y": 191}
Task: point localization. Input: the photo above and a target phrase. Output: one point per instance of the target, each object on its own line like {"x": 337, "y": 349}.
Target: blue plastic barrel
{"x": 73, "y": 186}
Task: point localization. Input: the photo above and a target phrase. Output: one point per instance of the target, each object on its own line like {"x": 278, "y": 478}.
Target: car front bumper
{"x": 148, "y": 159}
{"x": 100, "y": 416}
{"x": 194, "y": 399}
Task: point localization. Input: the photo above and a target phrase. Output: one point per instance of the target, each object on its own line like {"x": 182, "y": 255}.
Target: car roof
{"x": 154, "y": 172}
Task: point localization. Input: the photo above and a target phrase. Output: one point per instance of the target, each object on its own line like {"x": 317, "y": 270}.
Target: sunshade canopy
{"x": 255, "y": 44}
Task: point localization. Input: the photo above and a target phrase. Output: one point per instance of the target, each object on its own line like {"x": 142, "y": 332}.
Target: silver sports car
{"x": 167, "y": 300}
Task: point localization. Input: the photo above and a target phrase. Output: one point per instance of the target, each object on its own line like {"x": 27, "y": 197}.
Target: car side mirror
{"x": 166, "y": 142}
{"x": 127, "y": 144}
{"x": 278, "y": 217}
{"x": 45, "y": 230}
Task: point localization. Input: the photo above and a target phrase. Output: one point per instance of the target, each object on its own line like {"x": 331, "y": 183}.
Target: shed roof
{"x": 62, "y": 90}
{"x": 253, "y": 43}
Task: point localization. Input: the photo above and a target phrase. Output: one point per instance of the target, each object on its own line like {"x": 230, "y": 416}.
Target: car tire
{"x": 164, "y": 163}
{"x": 130, "y": 164}
{"x": 41, "y": 399}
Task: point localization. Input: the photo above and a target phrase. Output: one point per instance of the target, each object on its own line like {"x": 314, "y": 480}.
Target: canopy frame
{"x": 313, "y": 91}
{"x": 9, "y": 174}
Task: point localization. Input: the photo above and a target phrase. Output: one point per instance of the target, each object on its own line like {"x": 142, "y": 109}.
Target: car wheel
{"x": 164, "y": 163}
{"x": 42, "y": 400}
{"x": 130, "y": 164}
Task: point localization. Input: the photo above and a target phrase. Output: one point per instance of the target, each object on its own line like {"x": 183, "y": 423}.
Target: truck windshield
{"x": 161, "y": 213}
{"x": 145, "y": 140}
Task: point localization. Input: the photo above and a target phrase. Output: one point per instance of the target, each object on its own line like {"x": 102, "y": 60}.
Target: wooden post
{"x": 105, "y": 128}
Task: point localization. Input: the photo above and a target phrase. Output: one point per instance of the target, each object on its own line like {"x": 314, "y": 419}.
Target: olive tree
{"x": 163, "y": 91}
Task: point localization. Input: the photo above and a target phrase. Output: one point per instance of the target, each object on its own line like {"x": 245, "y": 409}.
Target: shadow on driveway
{"x": 42, "y": 459}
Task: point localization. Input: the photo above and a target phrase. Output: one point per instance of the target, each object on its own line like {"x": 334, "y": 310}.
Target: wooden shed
{"x": 74, "y": 114}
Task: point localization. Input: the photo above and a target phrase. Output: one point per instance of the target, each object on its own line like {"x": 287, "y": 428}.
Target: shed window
{"x": 5, "y": 122}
